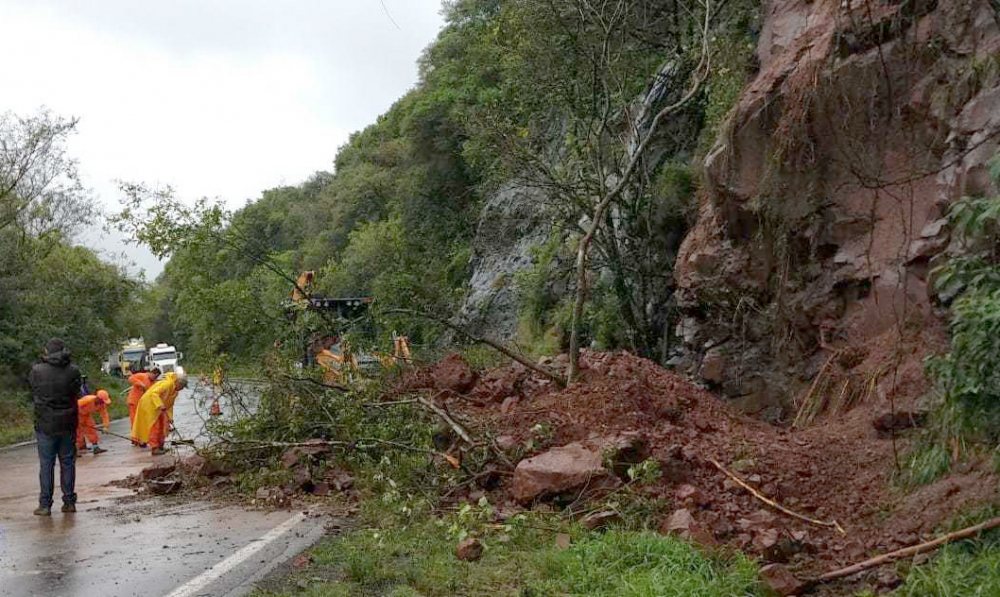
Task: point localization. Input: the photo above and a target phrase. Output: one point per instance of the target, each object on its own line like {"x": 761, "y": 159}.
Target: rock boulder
{"x": 568, "y": 468}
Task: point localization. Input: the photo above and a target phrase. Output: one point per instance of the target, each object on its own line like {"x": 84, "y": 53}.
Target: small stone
{"x": 887, "y": 579}
{"x": 680, "y": 522}
{"x": 766, "y": 539}
{"x": 732, "y": 487}
{"x": 690, "y": 496}
{"x": 780, "y": 580}
{"x": 341, "y": 480}
{"x": 506, "y": 442}
{"x": 599, "y": 519}
{"x": 311, "y": 447}
{"x": 469, "y": 550}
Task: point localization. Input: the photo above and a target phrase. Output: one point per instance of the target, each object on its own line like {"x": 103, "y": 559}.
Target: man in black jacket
{"x": 55, "y": 388}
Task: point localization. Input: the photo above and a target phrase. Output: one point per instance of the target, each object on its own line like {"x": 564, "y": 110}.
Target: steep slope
{"x": 823, "y": 209}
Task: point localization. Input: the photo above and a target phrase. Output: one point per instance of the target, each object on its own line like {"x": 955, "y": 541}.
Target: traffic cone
{"x": 215, "y": 410}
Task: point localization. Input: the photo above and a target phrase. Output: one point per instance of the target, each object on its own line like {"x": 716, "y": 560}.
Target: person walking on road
{"x": 86, "y": 429}
{"x": 156, "y": 410}
{"x": 55, "y": 389}
{"x": 140, "y": 382}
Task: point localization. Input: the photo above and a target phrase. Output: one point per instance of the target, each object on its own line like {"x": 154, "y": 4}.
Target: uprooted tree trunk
{"x": 906, "y": 552}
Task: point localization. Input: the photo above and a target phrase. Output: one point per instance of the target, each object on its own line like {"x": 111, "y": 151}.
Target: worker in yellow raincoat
{"x": 156, "y": 410}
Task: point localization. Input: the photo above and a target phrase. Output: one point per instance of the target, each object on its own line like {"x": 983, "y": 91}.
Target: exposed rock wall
{"x": 514, "y": 220}
{"x": 825, "y": 196}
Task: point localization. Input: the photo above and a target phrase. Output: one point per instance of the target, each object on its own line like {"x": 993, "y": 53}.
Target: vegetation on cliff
{"x": 535, "y": 94}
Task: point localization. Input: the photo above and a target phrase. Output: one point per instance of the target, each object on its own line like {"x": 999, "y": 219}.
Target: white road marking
{"x": 191, "y": 587}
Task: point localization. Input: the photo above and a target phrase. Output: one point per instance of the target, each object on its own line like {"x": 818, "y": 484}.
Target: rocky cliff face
{"x": 514, "y": 220}
{"x": 806, "y": 274}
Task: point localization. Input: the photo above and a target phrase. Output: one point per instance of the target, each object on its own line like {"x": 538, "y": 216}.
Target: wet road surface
{"x": 155, "y": 547}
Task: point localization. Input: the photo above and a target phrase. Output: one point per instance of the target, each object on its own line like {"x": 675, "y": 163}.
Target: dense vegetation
{"x": 49, "y": 287}
{"x": 510, "y": 92}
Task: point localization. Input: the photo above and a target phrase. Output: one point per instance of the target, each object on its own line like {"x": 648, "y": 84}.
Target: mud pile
{"x": 839, "y": 470}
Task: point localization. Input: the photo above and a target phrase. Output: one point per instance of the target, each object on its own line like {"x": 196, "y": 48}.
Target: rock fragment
{"x": 469, "y": 550}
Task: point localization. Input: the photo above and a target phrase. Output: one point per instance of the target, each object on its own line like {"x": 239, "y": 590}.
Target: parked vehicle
{"x": 164, "y": 357}
{"x": 131, "y": 358}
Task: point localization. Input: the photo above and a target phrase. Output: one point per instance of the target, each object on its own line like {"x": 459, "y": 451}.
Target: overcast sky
{"x": 218, "y": 98}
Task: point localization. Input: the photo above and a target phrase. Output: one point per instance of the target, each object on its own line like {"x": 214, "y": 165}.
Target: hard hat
{"x": 181, "y": 376}
{"x": 103, "y": 395}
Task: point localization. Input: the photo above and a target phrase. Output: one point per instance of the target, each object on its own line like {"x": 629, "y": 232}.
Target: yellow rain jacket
{"x": 160, "y": 396}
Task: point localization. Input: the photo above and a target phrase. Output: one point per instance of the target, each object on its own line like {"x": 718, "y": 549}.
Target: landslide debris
{"x": 573, "y": 446}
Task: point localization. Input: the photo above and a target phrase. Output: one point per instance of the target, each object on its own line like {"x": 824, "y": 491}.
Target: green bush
{"x": 968, "y": 376}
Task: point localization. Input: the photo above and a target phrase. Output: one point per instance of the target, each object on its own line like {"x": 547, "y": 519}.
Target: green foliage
{"x": 521, "y": 558}
{"x": 48, "y": 287}
{"x": 959, "y": 569}
{"x": 503, "y": 83}
{"x": 927, "y": 462}
{"x": 16, "y": 414}
{"x": 969, "y": 374}
{"x": 735, "y": 59}
{"x": 66, "y": 292}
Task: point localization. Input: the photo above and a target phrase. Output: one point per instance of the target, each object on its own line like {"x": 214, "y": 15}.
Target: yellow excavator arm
{"x": 338, "y": 361}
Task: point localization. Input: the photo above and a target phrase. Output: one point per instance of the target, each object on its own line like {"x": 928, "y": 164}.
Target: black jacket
{"x": 55, "y": 389}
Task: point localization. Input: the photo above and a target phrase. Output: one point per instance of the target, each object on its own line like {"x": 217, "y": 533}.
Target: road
{"x": 119, "y": 546}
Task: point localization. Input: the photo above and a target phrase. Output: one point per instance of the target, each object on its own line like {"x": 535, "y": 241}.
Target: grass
{"x": 969, "y": 568}
{"x": 963, "y": 569}
{"x": 520, "y": 560}
{"x": 16, "y": 418}
{"x": 928, "y": 461}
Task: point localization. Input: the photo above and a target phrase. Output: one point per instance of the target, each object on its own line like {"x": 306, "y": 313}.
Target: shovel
{"x": 173, "y": 442}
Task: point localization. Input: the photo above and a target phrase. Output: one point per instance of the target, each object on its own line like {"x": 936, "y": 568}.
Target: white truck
{"x": 164, "y": 357}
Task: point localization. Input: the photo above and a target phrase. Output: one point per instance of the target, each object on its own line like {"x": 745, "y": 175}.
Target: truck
{"x": 131, "y": 358}
{"x": 164, "y": 357}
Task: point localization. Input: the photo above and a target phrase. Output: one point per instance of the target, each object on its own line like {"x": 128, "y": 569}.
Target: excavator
{"x": 333, "y": 355}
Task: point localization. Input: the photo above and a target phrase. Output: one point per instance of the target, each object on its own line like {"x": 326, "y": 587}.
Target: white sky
{"x": 218, "y": 98}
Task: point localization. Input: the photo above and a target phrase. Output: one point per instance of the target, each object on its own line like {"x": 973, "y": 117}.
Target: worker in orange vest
{"x": 140, "y": 382}
{"x": 86, "y": 428}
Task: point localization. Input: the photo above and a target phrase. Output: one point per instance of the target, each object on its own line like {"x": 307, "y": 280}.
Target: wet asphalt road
{"x": 124, "y": 547}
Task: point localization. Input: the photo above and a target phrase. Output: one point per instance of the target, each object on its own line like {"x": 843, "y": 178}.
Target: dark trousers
{"x": 49, "y": 448}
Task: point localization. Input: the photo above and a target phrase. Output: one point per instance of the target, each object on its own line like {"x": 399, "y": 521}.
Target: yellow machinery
{"x": 334, "y": 356}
